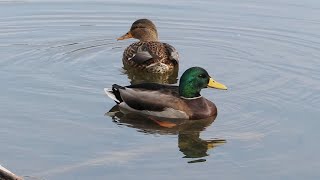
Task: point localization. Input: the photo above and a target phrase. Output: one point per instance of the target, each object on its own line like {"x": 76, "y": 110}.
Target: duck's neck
{"x": 149, "y": 35}
{"x": 148, "y": 38}
{"x": 188, "y": 90}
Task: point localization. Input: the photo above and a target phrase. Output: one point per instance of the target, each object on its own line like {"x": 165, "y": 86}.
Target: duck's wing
{"x": 143, "y": 53}
{"x": 150, "y": 99}
{"x": 153, "y": 103}
{"x": 150, "y": 96}
{"x": 142, "y": 88}
{"x": 173, "y": 53}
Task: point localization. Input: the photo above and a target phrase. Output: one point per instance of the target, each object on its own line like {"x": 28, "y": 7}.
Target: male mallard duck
{"x": 166, "y": 101}
{"x": 148, "y": 54}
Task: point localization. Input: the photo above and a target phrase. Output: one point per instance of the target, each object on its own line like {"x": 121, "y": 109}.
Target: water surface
{"x": 57, "y": 56}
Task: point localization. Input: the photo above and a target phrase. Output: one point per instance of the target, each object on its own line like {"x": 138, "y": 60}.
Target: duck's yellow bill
{"x": 125, "y": 36}
{"x": 213, "y": 143}
{"x": 214, "y": 84}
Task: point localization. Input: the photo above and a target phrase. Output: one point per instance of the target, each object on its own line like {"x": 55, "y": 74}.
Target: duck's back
{"x": 151, "y": 56}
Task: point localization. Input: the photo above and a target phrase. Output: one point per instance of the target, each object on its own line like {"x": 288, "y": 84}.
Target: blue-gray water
{"x": 57, "y": 56}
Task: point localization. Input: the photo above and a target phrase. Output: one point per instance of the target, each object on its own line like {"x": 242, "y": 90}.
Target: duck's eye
{"x": 202, "y": 76}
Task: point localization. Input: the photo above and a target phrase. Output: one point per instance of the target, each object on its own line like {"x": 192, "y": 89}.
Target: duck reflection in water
{"x": 137, "y": 76}
{"x": 189, "y": 141}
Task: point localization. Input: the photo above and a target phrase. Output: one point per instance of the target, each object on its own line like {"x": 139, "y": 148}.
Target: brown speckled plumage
{"x": 160, "y": 53}
{"x": 148, "y": 54}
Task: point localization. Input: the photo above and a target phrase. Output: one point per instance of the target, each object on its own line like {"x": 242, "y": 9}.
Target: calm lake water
{"x": 57, "y": 56}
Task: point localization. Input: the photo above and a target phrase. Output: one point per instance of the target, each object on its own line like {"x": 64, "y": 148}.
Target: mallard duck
{"x": 148, "y": 54}
{"x": 168, "y": 101}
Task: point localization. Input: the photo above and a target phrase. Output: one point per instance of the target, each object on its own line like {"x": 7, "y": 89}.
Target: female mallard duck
{"x": 148, "y": 54}
{"x": 166, "y": 101}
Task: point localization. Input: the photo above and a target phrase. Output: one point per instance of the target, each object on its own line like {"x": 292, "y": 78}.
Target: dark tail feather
{"x": 114, "y": 93}
{"x": 115, "y": 90}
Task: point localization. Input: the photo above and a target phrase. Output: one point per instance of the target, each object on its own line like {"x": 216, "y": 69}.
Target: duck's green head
{"x": 194, "y": 79}
{"x": 142, "y": 29}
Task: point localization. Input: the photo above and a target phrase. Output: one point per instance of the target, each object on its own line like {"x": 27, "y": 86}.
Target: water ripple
{"x": 58, "y": 56}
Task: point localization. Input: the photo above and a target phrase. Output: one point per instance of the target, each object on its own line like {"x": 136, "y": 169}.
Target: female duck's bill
{"x": 128, "y": 35}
